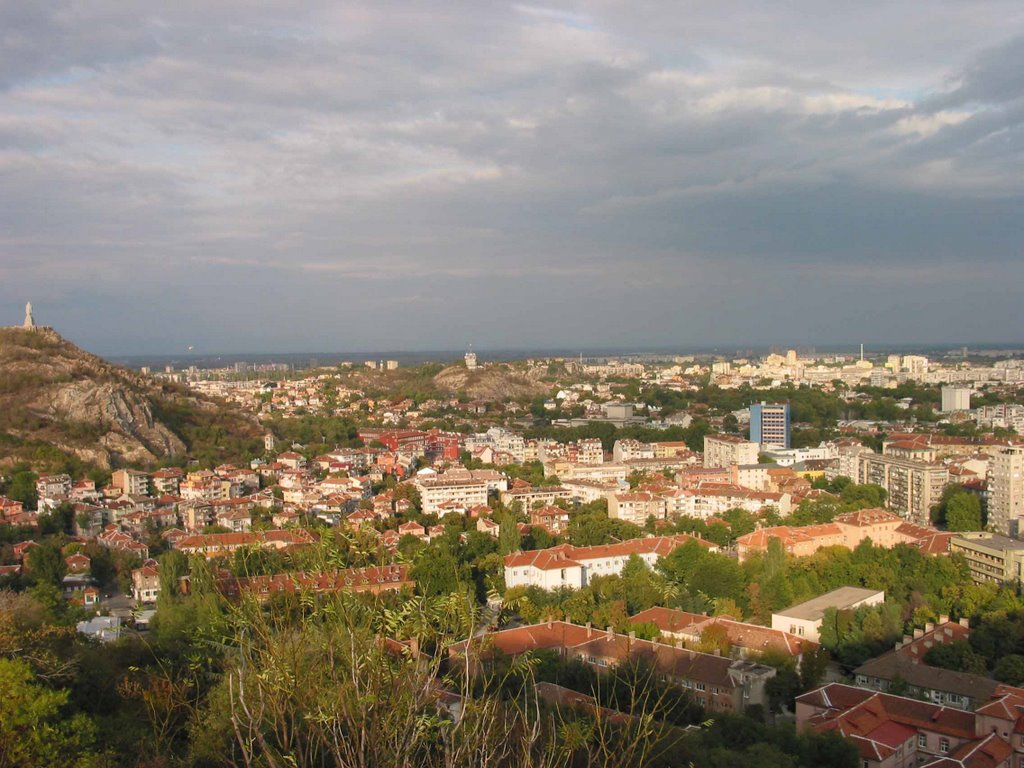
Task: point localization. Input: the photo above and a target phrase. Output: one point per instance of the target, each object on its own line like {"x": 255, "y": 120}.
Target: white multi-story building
{"x": 848, "y": 453}
{"x": 1006, "y": 491}
{"x": 709, "y": 502}
{"x": 726, "y": 450}
{"x": 787, "y": 457}
{"x": 626, "y": 450}
{"x": 54, "y": 487}
{"x": 1004, "y": 415}
{"x": 956, "y": 399}
{"x": 915, "y": 365}
{"x": 436, "y": 491}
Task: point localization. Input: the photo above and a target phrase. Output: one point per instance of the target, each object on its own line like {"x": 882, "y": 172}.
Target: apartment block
{"x": 726, "y": 450}
{"x": 992, "y": 557}
{"x": 769, "y": 424}
{"x": 1006, "y": 490}
{"x": 913, "y": 486}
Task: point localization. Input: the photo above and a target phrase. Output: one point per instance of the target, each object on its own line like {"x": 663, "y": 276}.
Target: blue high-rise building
{"x": 769, "y": 424}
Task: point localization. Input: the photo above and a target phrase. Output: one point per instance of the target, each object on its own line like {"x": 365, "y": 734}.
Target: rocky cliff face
{"x": 488, "y": 384}
{"x": 53, "y": 393}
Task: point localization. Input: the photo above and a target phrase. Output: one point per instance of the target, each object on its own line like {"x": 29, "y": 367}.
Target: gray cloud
{"x": 412, "y": 175}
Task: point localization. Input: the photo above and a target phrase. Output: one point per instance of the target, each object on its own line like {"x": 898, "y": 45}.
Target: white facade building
{"x": 569, "y": 566}
{"x": 956, "y": 399}
{"x": 726, "y": 450}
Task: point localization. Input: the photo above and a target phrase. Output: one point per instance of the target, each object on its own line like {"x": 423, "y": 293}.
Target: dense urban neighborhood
{"x": 796, "y": 558}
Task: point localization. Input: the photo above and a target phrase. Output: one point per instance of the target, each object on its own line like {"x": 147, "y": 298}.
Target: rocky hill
{"x": 58, "y": 399}
{"x": 490, "y": 384}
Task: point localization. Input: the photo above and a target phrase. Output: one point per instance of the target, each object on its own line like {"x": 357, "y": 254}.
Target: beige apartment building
{"x": 913, "y": 486}
{"x": 991, "y": 557}
{"x": 726, "y": 450}
{"x": 1006, "y": 490}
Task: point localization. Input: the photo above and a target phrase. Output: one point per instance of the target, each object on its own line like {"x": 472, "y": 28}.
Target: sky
{"x": 345, "y": 176}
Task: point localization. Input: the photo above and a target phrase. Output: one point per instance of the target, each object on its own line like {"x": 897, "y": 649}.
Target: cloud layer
{"x": 406, "y": 175}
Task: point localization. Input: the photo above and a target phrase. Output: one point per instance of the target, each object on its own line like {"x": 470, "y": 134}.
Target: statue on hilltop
{"x": 30, "y": 322}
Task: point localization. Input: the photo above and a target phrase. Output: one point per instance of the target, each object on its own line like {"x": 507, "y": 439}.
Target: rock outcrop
{"x": 491, "y": 384}
{"x": 54, "y": 393}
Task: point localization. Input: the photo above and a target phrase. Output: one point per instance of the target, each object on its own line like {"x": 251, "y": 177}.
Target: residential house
{"x": 804, "y": 619}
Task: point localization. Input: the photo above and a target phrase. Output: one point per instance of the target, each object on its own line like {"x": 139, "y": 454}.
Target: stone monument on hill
{"x": 30, "y": 322}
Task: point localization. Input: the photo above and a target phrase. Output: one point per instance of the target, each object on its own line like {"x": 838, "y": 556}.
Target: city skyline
{"x": 389, "y": 176}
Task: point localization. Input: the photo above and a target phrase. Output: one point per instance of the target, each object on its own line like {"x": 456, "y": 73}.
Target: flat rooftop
{"x": 993, "y": 541}
{"x": 840, "y": 599}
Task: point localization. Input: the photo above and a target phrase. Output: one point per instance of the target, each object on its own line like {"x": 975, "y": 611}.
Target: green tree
{"x": 1010, "y": 669}
{"x": 718, "y": 576}
{"x": 46, "y": 564}
{"x": 963, "y": 513}
{"x": 33, "y": 729}
{"x": 173, "y": 565}
{"x": 509, "y": 540}
{"x": 22, "y": 487}
{"x": 436, "y": 571}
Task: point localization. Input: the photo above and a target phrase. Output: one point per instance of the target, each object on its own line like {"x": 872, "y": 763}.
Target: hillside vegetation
{"x": 61, "y": 405}
{"x": 492, "y": 384}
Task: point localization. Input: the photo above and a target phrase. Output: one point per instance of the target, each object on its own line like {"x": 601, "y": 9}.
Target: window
{"x": 699, "y": 686}
{"x": 943, "y": 746}
{"x": 922, "y": 740}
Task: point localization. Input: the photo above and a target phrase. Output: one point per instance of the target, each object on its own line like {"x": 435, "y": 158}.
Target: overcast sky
{"x": 242, "y": 176}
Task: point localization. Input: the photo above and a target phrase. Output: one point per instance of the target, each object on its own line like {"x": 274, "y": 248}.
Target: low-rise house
{"x": 373, "y": 579}
{"x": 146, "y": 582}
{"x": 168, "y": 481}
{"x": 716, "y": 683}
{"x": 77, "y": 563}
{"x": 551, "y": 518}
{"x": 488, "y": 526}
{"x": 112, "y": 538}
{"x": 84, "y": 491}
{"x": 106, "y": 629}
{"x": 745, "y": 640}
{"x": 804, "y": 619}
{"x": 220, "y": 544}
{"x": 10, "y": 508}
{"x": 896, "y": 732}
{"x": 238, "y": 520}
{"x": 905, "y": 668}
